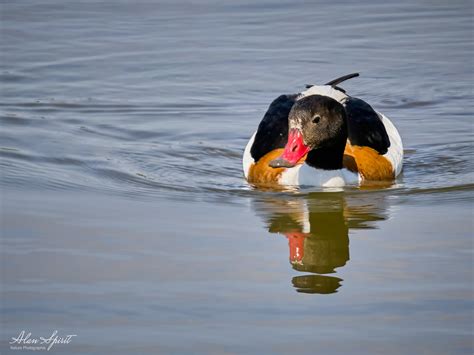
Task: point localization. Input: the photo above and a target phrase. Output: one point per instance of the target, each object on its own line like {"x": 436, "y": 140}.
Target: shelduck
{"x": 323, "y": 137}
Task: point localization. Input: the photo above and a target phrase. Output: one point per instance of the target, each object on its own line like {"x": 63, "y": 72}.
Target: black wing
{"x": 272, "y": 132}
{"x": 365, "y": 126}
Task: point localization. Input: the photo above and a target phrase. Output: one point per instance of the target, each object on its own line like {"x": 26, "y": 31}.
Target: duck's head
{"x": 314, "y": 122}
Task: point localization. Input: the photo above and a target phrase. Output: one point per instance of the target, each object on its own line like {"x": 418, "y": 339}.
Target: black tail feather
{"x": 342, "y": 78}
{"x": 334, "y": 82}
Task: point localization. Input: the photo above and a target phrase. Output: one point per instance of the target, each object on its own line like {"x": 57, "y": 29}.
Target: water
{"x": 125, "y": 217}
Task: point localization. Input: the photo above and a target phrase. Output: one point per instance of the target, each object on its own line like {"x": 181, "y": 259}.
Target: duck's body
{"x": 351, "y": 144}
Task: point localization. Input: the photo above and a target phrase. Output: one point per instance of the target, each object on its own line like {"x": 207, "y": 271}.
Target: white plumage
{"x": 247, "y": 159}
{"x": 395, "y": 151}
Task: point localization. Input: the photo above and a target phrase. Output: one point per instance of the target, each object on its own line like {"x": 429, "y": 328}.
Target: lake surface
{"x": 125, "y": 219}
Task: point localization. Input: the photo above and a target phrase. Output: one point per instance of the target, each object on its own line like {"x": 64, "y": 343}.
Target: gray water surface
{"x": 126, "y": 221}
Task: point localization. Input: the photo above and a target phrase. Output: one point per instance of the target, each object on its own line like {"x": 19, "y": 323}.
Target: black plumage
{"x": 272, "y": 132}
{"x": 365, "y": 128}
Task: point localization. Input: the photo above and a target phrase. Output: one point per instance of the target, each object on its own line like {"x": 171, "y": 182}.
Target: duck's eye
{"x": 316, "y": 119}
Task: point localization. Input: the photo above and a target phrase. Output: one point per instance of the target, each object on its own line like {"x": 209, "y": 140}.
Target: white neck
{"x": 324, "y": 90}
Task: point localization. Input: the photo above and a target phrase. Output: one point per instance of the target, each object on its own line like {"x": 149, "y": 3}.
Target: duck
{"x": 323, "y": 137}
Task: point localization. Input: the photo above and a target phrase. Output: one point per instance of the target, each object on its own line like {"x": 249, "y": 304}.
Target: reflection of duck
{"x": 322, "y": 137}
{"x": 316, "y": 284}
{"x": 317, "y": 229}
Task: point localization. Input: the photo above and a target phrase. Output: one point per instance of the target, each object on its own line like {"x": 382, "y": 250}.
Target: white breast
{"x": 305, "y": 175}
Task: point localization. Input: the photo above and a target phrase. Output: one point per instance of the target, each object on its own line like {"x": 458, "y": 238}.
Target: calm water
{"x": 125, "y": 218}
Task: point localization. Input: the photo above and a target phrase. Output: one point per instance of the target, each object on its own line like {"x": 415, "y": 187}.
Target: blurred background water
{"x": 125, "y": 218}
